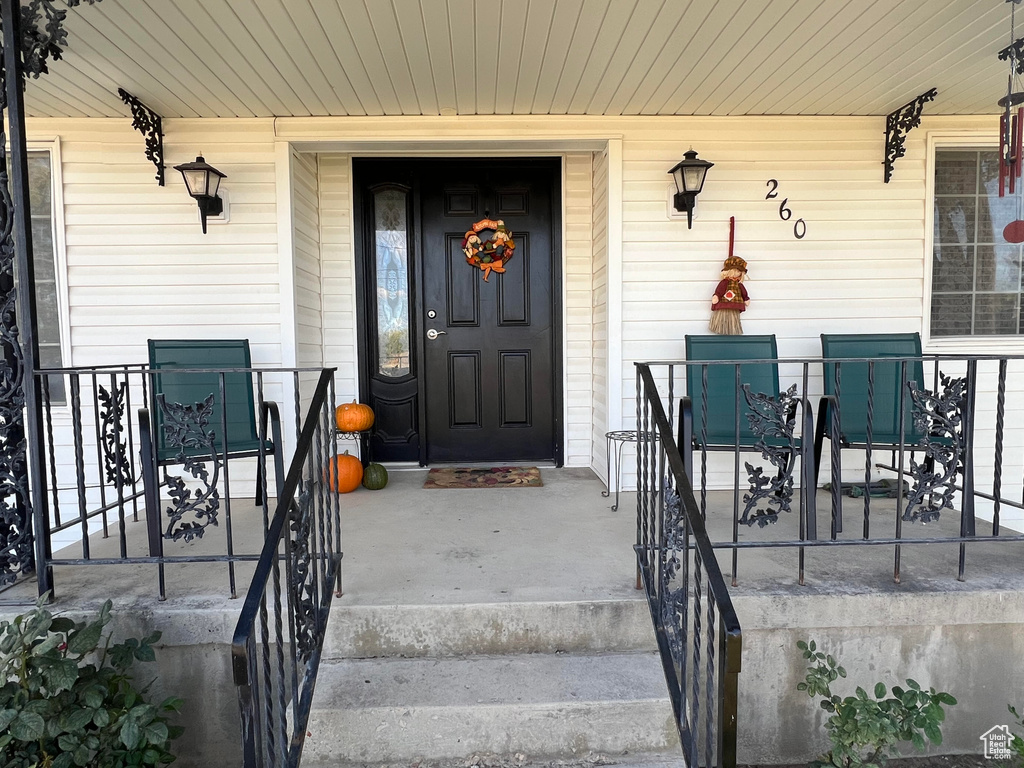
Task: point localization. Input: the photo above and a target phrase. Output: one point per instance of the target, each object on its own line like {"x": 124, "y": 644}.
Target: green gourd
{"x": 375, "y": 477}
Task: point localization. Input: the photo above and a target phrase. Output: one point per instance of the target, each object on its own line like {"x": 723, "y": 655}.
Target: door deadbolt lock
{"x": 433, "y": 334}
{"x": 431, "y": 314}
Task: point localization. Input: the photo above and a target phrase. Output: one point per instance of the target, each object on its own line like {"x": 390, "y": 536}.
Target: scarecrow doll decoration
{"x": 730, "y": 296}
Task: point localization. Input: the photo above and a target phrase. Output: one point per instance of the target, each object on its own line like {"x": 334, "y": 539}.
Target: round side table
{"x": 617, "y": 438}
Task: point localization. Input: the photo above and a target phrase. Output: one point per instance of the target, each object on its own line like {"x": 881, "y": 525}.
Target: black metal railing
{"x": 133, "y": 479}
{"x": 920, "y": 450}
{"x": 279, "y": 637}
{"x": 697, "y": 629}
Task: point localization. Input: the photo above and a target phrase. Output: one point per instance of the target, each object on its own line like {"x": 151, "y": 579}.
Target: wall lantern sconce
{"x": 202, "y": 181}
{"x": 689, "y": 176}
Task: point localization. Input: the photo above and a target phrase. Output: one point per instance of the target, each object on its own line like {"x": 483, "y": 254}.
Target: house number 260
{"x": 785, "y": 213}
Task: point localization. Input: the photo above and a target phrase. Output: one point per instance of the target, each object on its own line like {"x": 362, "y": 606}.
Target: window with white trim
{"x": 44, "y": 259}
{"x": 976, "y": 275}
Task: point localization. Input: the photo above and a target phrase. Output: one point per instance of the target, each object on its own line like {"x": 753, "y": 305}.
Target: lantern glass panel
{"x": 195, "y": 181}
{"x": 677, "y": 176}
{"x": 693, "y": 178}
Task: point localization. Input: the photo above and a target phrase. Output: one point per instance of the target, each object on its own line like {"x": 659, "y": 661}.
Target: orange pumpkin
{"x": 353, "y": 417}
{"x": 344, "y": 473}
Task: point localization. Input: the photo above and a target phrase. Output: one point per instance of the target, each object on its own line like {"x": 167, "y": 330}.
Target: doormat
{"x": 483, "y": 477}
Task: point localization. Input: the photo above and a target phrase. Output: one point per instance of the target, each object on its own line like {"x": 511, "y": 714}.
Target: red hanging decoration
{"x": 1011, "y": 130}
{"x": 1011, "y": 123}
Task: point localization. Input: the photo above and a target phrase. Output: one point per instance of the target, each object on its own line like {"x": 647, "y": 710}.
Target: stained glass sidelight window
{"x": 976, "y": 274}
{"x": 392, "y": 259}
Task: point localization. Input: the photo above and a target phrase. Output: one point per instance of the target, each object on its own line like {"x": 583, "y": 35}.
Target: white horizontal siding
{"x": 339, "y": 298}
{"x": 599, "y": 312}
{"x": 578, "y": 310}
{"x": 139, "y": 267}
{"x": 306, "y": 248}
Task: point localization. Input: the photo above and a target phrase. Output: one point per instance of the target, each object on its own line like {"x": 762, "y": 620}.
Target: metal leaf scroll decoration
{"x": 673, "y": 587}
{"x": 15, "y": 507}
{"x": 773, "y": 421}
{"x": 302, "y": 583}
{"x": 898, "y": 124}
{"x": 15, "y": 504}
{"x": 939, "y": 418}
{"x": 117, "y": 465}
{"x": 43, "y": 37}
{"x": 186, "y": 426}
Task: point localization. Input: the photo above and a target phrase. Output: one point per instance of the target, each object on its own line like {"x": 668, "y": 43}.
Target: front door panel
{"x": 490, "y": 386}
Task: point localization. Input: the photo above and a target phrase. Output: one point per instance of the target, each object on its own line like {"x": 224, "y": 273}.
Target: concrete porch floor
{"x": 408, "y": 545}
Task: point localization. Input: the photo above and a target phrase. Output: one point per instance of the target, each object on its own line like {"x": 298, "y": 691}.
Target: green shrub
{"x": 865, "y": 729}
{"x": 67, "y": 701}
{"x": 1017, "y": 741}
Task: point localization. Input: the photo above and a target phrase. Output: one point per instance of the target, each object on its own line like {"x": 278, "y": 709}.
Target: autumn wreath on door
{"x": 488, "y": 255}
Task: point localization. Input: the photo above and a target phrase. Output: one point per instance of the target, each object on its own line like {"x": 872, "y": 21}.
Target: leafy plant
{"x": 865, "y": 729}
{"x": 1017, "y": 741}
{"x": 66, "y": 701}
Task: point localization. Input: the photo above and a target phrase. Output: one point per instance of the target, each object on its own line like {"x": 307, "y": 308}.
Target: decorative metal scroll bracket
{"x": 939, "y": 419}
{"x": 898, "y": 124}
{"x": 186, "y": 426}
{"x": 773, "y": 421}
{"x": 147, "y": 122}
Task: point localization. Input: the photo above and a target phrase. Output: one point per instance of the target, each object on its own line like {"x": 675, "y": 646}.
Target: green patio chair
{"x": 709, "y": 418}
{"x": 891, "y": 422}
{"x": 171, "y": 360}
{"x": 891, "y": 402}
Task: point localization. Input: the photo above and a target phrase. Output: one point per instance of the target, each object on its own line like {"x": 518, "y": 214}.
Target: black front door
{"x": 484, "y": 351}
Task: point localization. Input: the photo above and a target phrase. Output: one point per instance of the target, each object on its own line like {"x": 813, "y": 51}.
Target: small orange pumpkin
{"x": 353, "y": 417}
{"x": 344, "y": 473}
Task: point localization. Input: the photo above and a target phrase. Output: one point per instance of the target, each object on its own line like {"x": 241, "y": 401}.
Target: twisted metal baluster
{"x": 641, "y": 541}
{"x": 643, "y": 480}
{"x": 835, "y": 446}
{"x": 711, "y": 689}
{"x": 282, "y": 699}
{"x": 867, "y": 452}
{"x": 48, "y": 410}
{"x": 897, "y": 551}
{"x": 736, "y": 475}
{"x": 672, "y": 398}
{"x": 131, "y": 445}
{"x": 684, "y": 615}
{"x": 698, "y": 590}
{"x": 222, "y": 384}
{"x": 704, "y": 442}
{"x": 810, "y": 478}
{"x": 76, "y": 427}
{"x": 997, "y": 480}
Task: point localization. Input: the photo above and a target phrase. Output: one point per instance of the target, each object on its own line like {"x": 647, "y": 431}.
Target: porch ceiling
{"x": 477, "y": 57}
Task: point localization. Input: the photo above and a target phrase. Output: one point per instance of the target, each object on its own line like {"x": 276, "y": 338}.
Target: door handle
{"x": 433, "y": 334}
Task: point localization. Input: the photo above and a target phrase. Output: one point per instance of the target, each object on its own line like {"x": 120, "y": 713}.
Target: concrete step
{"x": 538, "y": 705}
{"x": 671, "y": 759}
{"x": 582, "y": 626}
